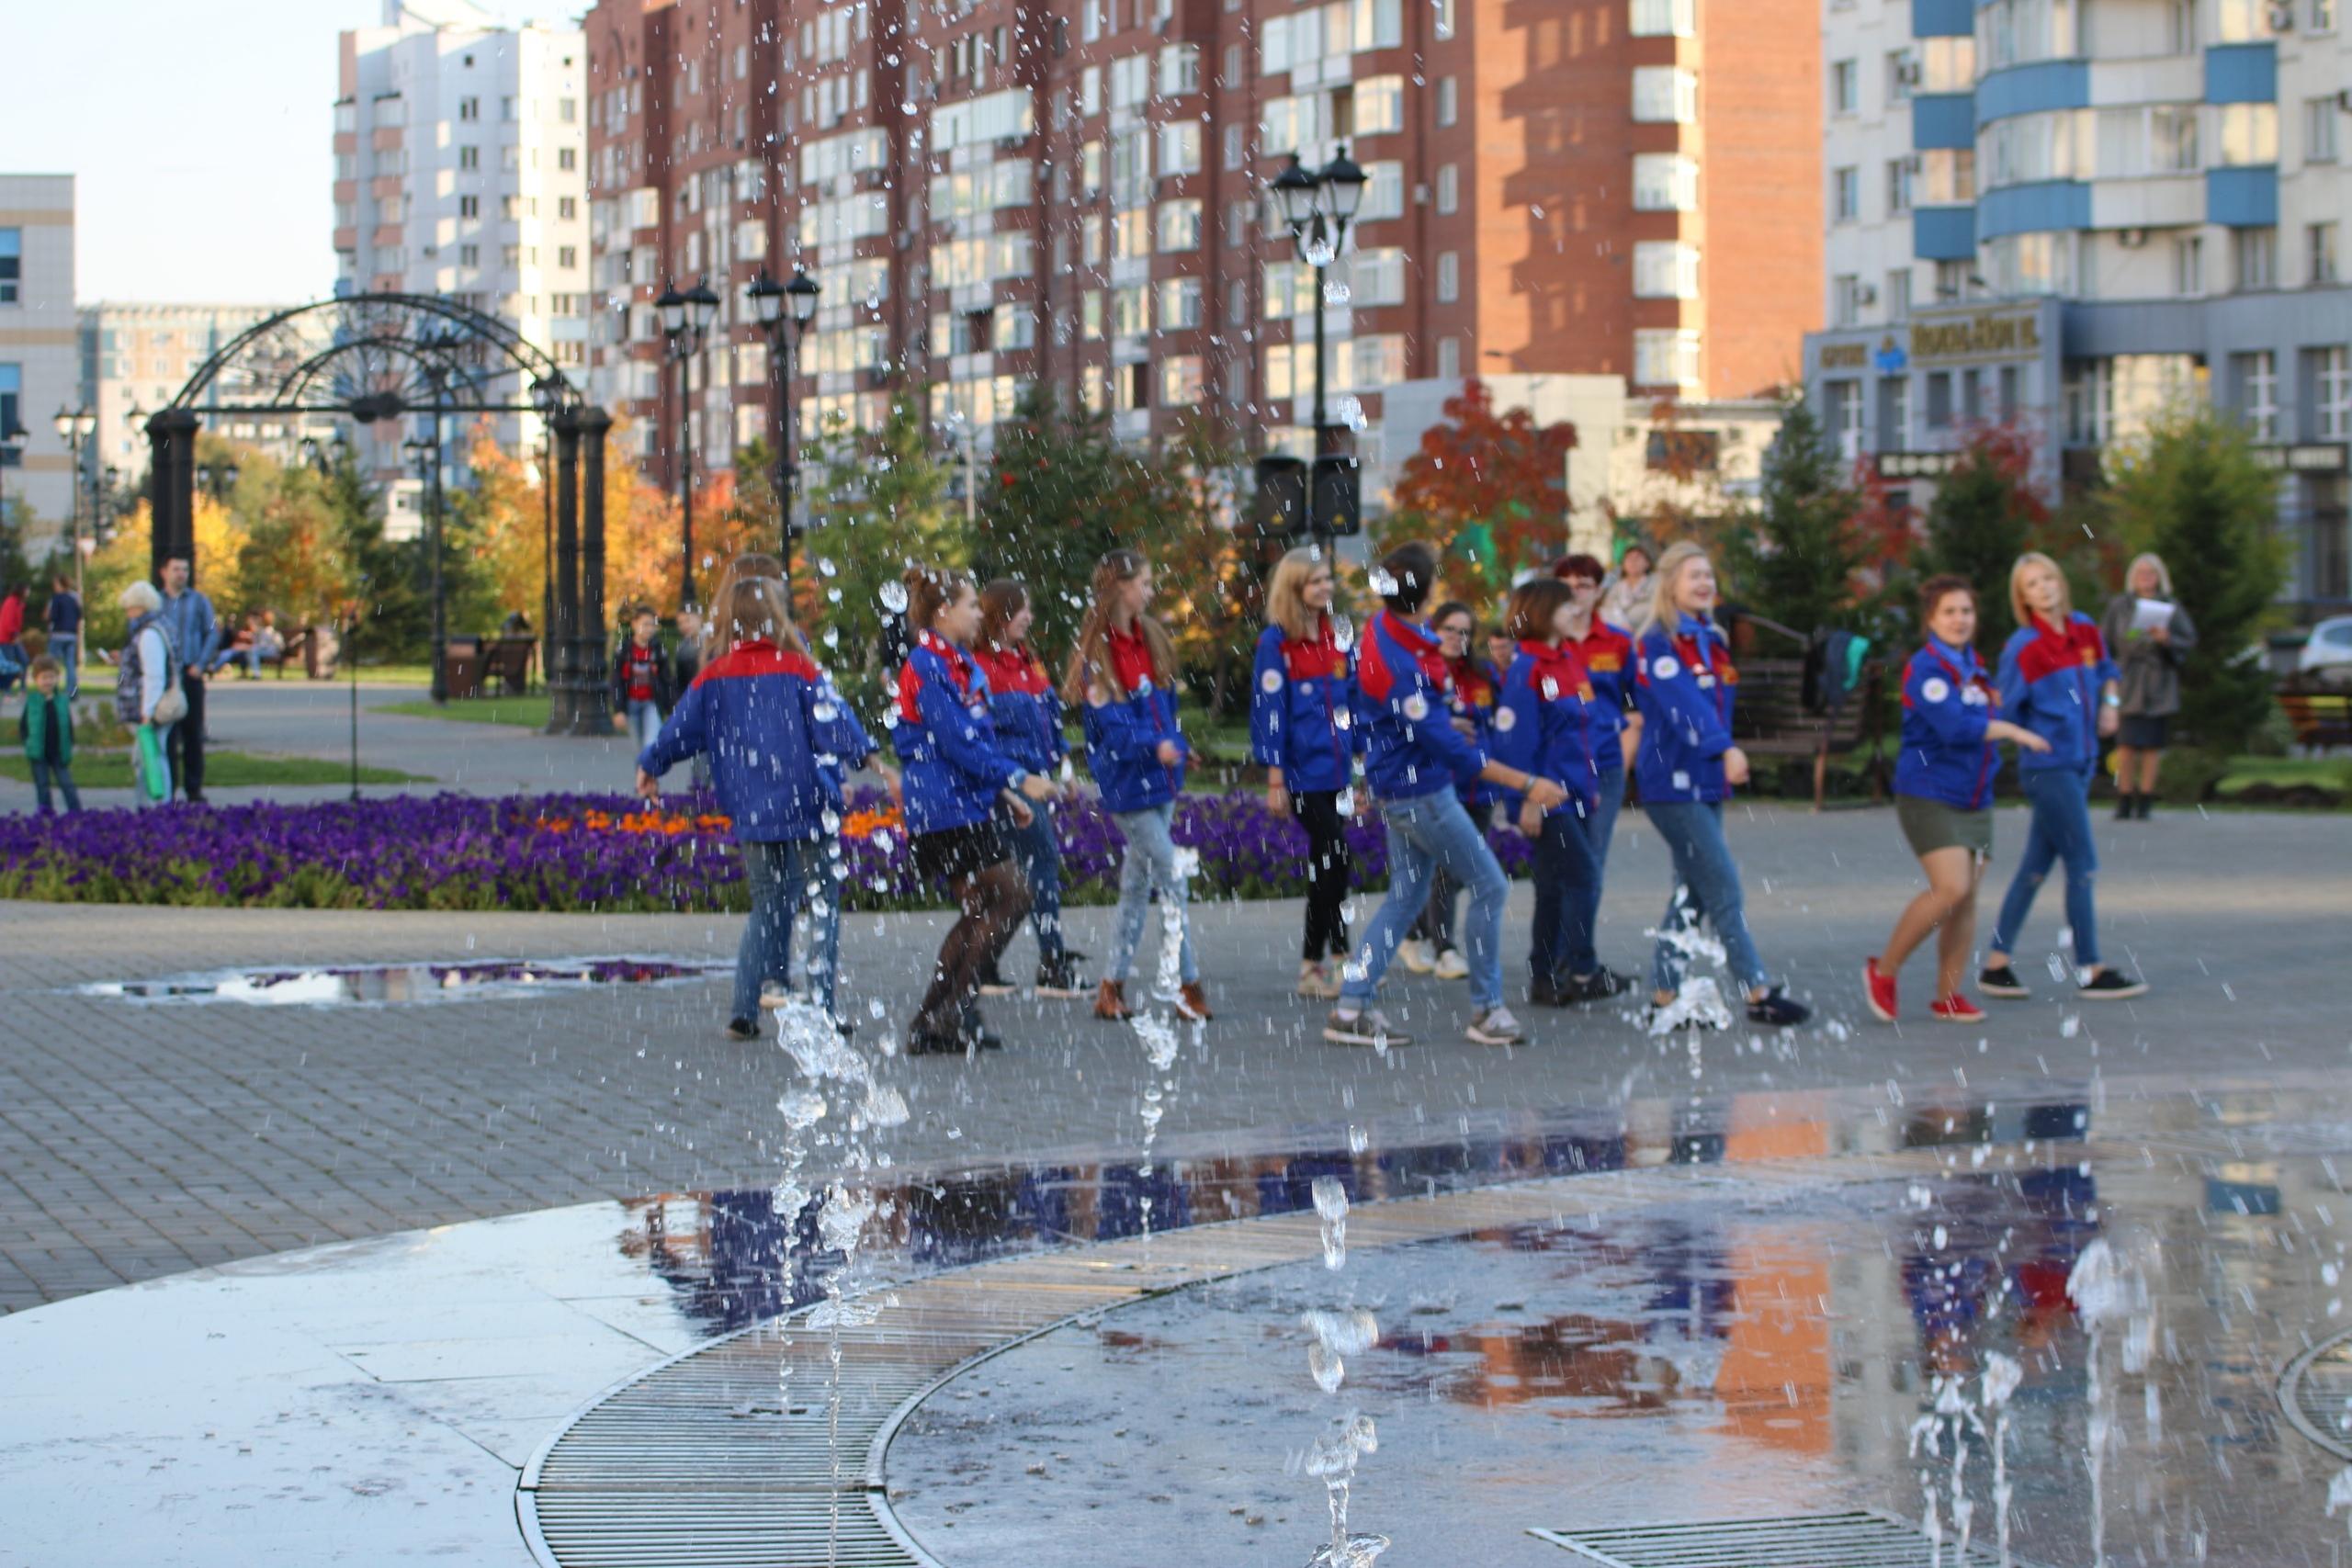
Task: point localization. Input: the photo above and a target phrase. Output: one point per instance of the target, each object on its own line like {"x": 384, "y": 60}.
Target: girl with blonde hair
{"x": 2149, "y": 660}
{"x": 1303, "y": 732}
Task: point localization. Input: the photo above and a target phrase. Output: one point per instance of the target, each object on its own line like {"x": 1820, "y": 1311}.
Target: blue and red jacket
{"x": 946, "y": 736}
{"x": 777, "y": 737}
{"x": 1476, "y": 686}
{"x": 1404, "y": 705}
{"x": 1300, "y": 717}
{"x": 1027, "y": 710}
{"x": 1608, "y": 658}
{"x": 1548, "y": 721}
{"x": 1947, "y": 702}
{"x": 2050, "y": 681}
{"x": 1124, "y": 730}
{"x": 1683, "y": 681}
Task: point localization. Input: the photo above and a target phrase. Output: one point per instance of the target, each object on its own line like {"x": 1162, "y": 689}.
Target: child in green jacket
{"x": 47, "y": 729}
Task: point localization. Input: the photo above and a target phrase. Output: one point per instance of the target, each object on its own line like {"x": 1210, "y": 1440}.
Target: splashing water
{"x": 2112, "y": 1287}
{"x": 1331, "y": 1208}
{"x": 1699, "y": 1003}
{"x": 1332, "y": 1461}
{"x": 1156, "y": 1031}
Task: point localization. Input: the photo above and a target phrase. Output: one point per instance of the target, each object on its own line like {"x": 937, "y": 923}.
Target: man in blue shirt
{"x": 195, "y": 632}
{"x": 64, "y": 617}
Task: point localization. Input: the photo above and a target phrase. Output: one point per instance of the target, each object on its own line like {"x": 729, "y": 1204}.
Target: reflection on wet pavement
{"x": 380, "y": 984}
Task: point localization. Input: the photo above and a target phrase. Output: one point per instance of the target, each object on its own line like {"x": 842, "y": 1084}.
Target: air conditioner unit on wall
{"x": 1908, "y": 73}
{"x": 2131, "y": 238}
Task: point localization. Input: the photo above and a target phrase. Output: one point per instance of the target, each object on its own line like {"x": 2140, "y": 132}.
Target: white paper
{"x": 2147, "y": 614}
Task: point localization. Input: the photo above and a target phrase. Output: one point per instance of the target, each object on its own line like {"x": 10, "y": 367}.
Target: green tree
{"x": 1064, "y": 492}
{"x": 1488, "y": 492}
{"x": 2194, "y": 493}
{"x": 1986, "y": 515}
{"x": 1795, "y": 561}
{"x": 878, "y": 503}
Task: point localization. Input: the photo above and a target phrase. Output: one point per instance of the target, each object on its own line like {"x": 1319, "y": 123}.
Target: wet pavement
{"x": 402, "y": 983}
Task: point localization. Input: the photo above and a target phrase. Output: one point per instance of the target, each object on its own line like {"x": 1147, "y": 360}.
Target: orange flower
{"x": 864, "y": 824}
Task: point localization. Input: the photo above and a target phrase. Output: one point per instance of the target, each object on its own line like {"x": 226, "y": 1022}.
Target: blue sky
{"x": 200, "y": 137}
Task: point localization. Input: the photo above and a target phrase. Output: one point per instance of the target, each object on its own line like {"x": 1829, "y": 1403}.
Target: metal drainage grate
{"x": 2316, "y": 1394}
{"x": 1863, "y": 1539}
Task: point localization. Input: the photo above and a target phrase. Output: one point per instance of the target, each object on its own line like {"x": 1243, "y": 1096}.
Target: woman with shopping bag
{"x": 147, "y": 696}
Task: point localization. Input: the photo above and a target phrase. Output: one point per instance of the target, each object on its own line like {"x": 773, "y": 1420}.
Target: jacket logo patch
{"x": 1271, "y": 681}
{"x": 1551, "y": 689}
{"x": 1935, "y": 689}
{"x": 1666, "y": 667}
{"x": 1417, "y": 707}
{"x": 1507, "y": 719}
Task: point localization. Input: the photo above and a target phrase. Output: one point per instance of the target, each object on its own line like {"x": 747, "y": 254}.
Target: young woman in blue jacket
{"x": 1123, "y": 675}
{"x": 1303, "y": 733}
{"x": 957, "y": 777}
{"x": 1472, "y": 682}
{"x": 1548, "y": 722}
{"x": 2057, "y": 680}
{"x": 1414, "y": 761}
{"x": 1943, "y": 798}
{"x": 1028, "y": 714}
{"x": 778, "y": 737}
{"x": 1688, "y": 767}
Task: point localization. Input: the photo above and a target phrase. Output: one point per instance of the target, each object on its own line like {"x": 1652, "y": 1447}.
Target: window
{"x": 469, "y": 255}
{"x": 2331, "y": 392}
{"x": 1180, "y": 304}
{"x": 1130, "y": 81}
{"x": 1234, "y": 153}
{"x": 1898, "y": 186}
{"x": 1845, "y": 415}
{"x": 1179, "y": 147}
{"x": 1449, "y": 278}
{"x": 567, "y": 206}
{"x": 1369, "y": 364}
{"x": 1664, "y": 18}
{"x": 2172, "y": 141}
{"x": 469, "y": 157}
{"x": 1940, "y": 399}
{"x": 567, "y": 109}
{"x": 2319, "y": 129}
{"x": 1180, "y": 380}
{"x": 1902, "y": 75}
{"x": 1444, "y": 18}
{"x": 2030, "y": 264}
{"x": 1091, "y": 314}
{"x": 469, "y": 207}
{"x": 1130, "y": 311}
{"x": 1953, "y": 280}
{"x": 1666, "y": 356}
{"x": 1665, "y": 181}
{"x": 1845, "y": 195}
{"x": 1379, "y": 103}
{"x": 1131, "y": 233}
{"x": 2255, "y": 391}
{"x": 1447, "y": 105}
{"x": 1665, "y": 269}
{"x": 1179, "y": 226}
{"x": 1845, "y": 86}
{"x": 1375, "y": 278}
{"x": 1665, "y": 93}
{"x": 1449, "y": 359}
{"x": 2322, "y": 17}
{"x": 1180, "y": 70}
{"x": 1233, "y": 67}
{"x": 468, "y": 108}
{"x": 2188, "y": 267}
{"x": 1236, "y": 223}
{"x": 1449, "y": 188}
{"x": 568, "y": 158}
{"x": 2319, "y": 246}
{"x": 1384, "y": 195}
{"x": 1898, "y": 294}
{"x": 1844, "y": 300}
{"x": 1946, "y": 177}
{"x": 1894, "y": 413}
{"x": 1089, "y": 91}
{"x": 2249, "y": 133}
{"x": 2255, "y": 253}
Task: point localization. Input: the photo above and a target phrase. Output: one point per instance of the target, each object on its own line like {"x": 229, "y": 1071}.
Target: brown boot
{"x": 1110, "y": 1002}
{"x": 1194, "y": 1002}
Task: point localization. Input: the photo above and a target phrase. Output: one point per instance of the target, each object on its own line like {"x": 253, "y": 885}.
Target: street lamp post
{"x": 686, "y": 320}
{"x": 426, "y": 456}
{"x": 76, "y": 425}
{"x": 547, "y": 396}
{"x": 775, "y": 304}
{"x": 1319, "y": 205}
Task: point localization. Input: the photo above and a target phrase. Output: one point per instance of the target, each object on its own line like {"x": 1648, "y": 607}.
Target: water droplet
{"x": 894, "y": 597}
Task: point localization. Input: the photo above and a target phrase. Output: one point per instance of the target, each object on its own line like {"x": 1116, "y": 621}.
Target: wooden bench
{"x": 1769, "y": 719}
{"x": 2320, "y": 715}
{"x": 507, "y": 660}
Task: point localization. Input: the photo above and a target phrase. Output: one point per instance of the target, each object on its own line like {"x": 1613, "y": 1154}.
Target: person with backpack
{"x": 1124, "y": 673}
{"x": 148, "y": 695}
{"x": 46, "y": 728}
{"x": 1303, "y": 732}
{"x": 1414, "y": 759}
{"x": 1028, "y": 714}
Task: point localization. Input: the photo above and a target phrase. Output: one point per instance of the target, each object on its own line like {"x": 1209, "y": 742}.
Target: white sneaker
{"x": 1315, "y": 981}
{"x": 1370, "y": 1027}
{"x": 1495, "y": 1027}
{"x": 1415, "y": 956}
{"x": 1452, "y": 966}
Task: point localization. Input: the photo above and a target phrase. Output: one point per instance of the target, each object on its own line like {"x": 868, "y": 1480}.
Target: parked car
{"x": 2328, "y": 649}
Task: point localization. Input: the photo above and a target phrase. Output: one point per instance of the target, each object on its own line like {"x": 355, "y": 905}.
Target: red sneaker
{"x": 1878, "y": 991}
{"x": 1955, "y": 1009}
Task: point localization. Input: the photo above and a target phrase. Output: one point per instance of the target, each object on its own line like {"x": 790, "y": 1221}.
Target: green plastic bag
{"x": 154, "y": 772}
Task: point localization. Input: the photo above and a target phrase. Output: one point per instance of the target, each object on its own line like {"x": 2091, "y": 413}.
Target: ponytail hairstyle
{"x": 1090, "y": 661}
{"x": 931, "y": 589}
{"x": 1000, "y": 601}
{"x": 756, "y": 609}
{"x": 1534, "y": 605}
{"x": 717, "y": 632}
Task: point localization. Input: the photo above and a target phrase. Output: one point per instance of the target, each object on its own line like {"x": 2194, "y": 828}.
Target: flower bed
{"x": 604, "y": 853}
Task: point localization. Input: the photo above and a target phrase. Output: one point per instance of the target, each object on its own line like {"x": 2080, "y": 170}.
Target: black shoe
{"x": 1775, "y": 1008}
{"x": 1551, "y": 993}
{"x": 922, "y": 1042}
{"x": 743, "y": 1029}
{"x": 2111, "y": 986}
{"x": 1060, "y": 979}
{"x": 2146, "y": 804}
{"x": 1597, "y": 987}
{"x": 2124, "y": 812}
{"x": 978, "y": 1035}
{"x": 2002, "y": 982}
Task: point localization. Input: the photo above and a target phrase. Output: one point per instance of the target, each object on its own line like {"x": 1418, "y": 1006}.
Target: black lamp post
{"x": 547, "y": 396}
{"x": 685, "y": 321}
{"x": 75, "y": 426}
{"x": 426, "y": 456}
{"x": 775, "y": 304}
{"x": 1318, "y": 206}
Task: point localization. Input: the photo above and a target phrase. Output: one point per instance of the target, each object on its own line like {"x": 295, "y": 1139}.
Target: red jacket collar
{"x": 1131, "y": 661}
{"x": 958, "y": 662}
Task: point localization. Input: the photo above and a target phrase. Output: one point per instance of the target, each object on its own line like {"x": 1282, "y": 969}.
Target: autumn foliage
{"x": 1487, "y": 490}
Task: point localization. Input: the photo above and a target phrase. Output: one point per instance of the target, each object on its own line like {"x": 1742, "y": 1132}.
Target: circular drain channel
{"x": 729, "y": 1454}
{"x": 2316, "y": 1393}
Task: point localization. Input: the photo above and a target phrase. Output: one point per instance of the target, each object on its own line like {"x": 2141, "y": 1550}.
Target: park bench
{"x": 1771, "y": 720}
{"x": 507, "y": 660}
{"x": 2320, "y": 715}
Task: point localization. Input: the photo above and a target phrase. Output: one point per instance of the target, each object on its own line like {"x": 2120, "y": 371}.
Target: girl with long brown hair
{"x": 1123, "y": 676}
{"x": 1028, "y": 714}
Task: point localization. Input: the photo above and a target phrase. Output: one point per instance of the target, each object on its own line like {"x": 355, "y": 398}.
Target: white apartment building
{"x": 135, "y": 358}
{"x": 38, "y": 372}
{"x": 461, "y": 170}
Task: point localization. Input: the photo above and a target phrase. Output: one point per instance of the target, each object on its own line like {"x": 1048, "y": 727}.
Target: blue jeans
{"x": 1567, "y": 900}
{"x": 1424, "y": 835}
{"x": 2061, "y": 830}
{"x": 1150, "y": 862}
{"x": 1600, "y": 825}
{"x": 1706, "y": 886}
{"x": 66, "y": 649}
{"x": 644, "y": 724}
{"x": 783, "y": 873}
{"x": 62, "y": 774}
{"x": 1039, "y": 851}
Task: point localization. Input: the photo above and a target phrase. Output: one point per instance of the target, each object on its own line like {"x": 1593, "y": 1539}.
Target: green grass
{"x": 2332, "y": 774}
{"x": 528, "y": 712}
{"x": 226, "y": 769}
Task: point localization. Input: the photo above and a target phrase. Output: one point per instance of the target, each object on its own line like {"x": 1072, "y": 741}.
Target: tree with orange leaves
{"x": 1488, "y": 490}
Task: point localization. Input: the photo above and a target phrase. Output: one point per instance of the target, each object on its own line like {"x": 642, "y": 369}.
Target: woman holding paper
{"x": 2151, "y": 637}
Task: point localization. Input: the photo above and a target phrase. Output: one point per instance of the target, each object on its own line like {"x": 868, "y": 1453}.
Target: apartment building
{"x": 37, "y": 365}
{"x": 1616, "y": 198}
{"x": 135, "y": 358}
{"x": 461, "y": 153}
{"x": 2070, "y": 213}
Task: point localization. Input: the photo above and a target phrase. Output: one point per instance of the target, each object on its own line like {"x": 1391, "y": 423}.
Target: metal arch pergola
{"x": 384, "y": 356}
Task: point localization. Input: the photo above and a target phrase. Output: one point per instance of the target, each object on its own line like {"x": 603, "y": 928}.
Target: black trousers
{"x": 1328, "y": 866}
{"x": 187, "y": 742}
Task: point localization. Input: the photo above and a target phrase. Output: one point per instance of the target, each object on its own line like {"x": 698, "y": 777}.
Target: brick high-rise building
{"x": 1598, "y": 202}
